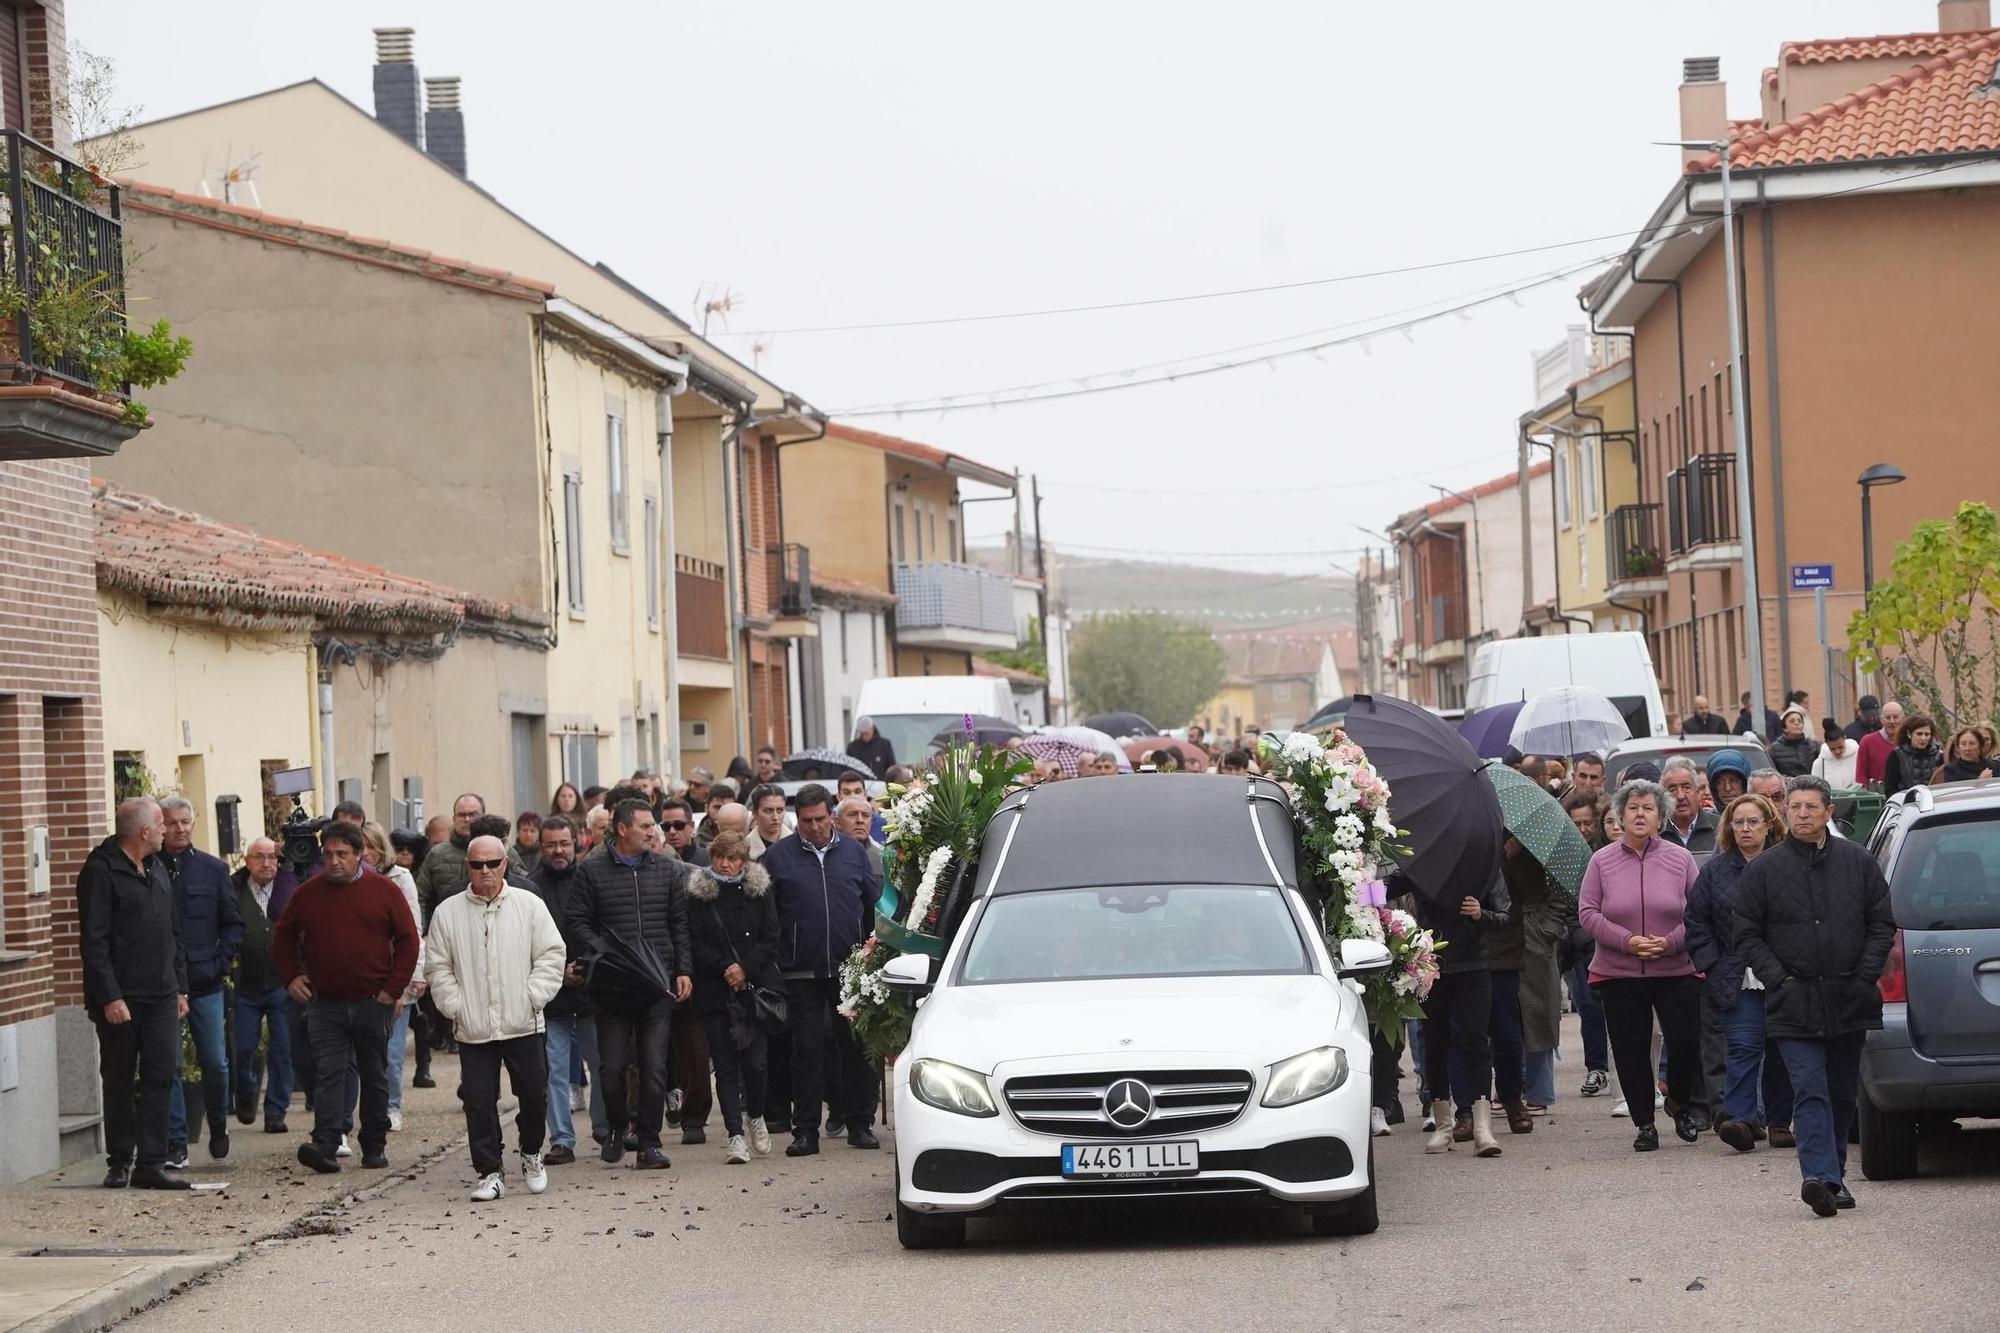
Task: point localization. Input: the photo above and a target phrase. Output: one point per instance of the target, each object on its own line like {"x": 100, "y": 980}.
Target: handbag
{"x": 768, "y": 1008}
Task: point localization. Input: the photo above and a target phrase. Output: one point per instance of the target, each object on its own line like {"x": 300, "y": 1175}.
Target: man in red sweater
{"x": 345, "y": 948}
{"x": 1871, "y": 762}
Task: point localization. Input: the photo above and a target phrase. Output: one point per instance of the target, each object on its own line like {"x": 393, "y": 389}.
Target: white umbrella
{"x": 1568, "y": 720}
{"x": 1091, "y": 739}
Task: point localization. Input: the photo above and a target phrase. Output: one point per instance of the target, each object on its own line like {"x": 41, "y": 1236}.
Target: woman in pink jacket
{"x": 1634, "y": 895}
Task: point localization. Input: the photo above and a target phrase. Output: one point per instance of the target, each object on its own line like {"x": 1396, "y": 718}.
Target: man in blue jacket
{"x": 825, "y": 893}
{"x": 212, "y": 933}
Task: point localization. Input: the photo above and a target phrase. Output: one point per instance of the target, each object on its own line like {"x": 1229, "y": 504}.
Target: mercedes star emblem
{"x": 1128, "y": 1103}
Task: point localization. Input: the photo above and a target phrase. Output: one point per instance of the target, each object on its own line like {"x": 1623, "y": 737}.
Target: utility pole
{"x": 1042, "y": 595}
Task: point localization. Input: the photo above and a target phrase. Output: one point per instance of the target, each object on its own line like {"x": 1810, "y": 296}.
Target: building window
{"x": 573, "y": 538}
{"x": 933, "y": 543}
{"x": 1562, "y": 486}
{"x": 579, "y": 756}
{"x": 1587, "y": 483}
{"x": 951, "y": 547}
{"x": 875, "y": 642}
{"x": 651, "y": 538}
{"x": 614, "y": 449}
{"x": 900, "y": 550}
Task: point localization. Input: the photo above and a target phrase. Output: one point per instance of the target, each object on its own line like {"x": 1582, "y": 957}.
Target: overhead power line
{"x": 1201, "y": 494}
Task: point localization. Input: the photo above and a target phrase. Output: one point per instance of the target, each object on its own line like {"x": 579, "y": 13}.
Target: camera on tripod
{"x": 298, "y": 836}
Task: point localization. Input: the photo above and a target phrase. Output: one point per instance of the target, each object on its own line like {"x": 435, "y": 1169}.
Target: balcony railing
{"x": 62, "y": 264}
{"x": 955, "y": 604}
{"x": 791, "y": 580}
{"x": 1701, "y": 502}
{"x": 701, "y": 607}
{"x": 1634, "y": 542}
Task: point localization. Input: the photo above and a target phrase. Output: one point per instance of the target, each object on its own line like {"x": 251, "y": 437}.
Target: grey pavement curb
{"x": 119, "y": 1300}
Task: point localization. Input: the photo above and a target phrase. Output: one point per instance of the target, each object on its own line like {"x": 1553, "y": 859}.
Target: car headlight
{"x": 950, "y": 1088}
{"x": 1306, "y": 1076}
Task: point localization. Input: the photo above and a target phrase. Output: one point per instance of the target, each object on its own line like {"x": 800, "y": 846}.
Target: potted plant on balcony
{"x": 1643, "y": 562}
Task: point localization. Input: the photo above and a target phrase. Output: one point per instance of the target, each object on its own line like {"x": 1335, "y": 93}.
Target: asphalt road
{"x": 1568, "y": 1228}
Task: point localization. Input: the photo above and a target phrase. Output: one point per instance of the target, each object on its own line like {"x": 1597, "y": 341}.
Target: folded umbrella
{"x": 630, "y": 970}
{"x": 1448, "y": 813}
{"x": 1568, "y": 720}
{"x": 1540, "y": 824}
{"x": 1488, "y": 729}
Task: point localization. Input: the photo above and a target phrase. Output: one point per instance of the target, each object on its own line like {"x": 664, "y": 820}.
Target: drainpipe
{"x": 1784, "y": 588}
{"x": 328, "y": 785}
{"x": 1524, "y": 465}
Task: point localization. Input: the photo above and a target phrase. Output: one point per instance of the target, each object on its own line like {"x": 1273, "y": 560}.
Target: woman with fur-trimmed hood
{"x": 733, "y": 927}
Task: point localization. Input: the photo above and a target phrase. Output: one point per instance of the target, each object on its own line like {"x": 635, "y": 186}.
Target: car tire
{"x": 1888, "y": 1142}
{"x": 1357, "y": 1216}
{"x": 928, "y": 1231}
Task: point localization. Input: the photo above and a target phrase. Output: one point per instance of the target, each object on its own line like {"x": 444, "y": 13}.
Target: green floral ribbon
{"x": 889, "y": 927}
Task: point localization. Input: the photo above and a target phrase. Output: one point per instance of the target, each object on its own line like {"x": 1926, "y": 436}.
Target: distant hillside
{"x": 1222, "y": 598}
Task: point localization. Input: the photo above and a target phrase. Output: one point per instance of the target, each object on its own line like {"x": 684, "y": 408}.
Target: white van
{"x": 1616, "y": 664}
{"x": 912, "y": 710}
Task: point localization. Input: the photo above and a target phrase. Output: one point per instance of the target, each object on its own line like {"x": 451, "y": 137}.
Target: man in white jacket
{"x": 494, "y": 958}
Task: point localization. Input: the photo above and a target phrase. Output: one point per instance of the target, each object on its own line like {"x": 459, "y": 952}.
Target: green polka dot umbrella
{"x": 1539, "y": 823}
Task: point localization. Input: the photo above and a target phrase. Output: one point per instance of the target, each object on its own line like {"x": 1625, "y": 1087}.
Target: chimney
{"x": 444, "y": 123}
{"x": 1965, "y": 15}
{"x": 397, "y": 102}
{"x": 1704, "y": 111}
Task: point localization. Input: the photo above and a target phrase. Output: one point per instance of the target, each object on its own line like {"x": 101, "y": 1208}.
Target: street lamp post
{"x": 1882, "y": 474}
{"x": 1746, "y": 509}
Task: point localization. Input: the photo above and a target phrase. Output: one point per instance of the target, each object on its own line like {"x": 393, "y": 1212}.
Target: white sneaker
{"x": 1620, "y": 1111}
{"x": 739, "y": 1151}
{"x": 343, "y": 1150}
{"x": 760, "y": 1137}
{"x": 533, "y": 1172}
{"x": 395, "y": 1119}
{"x": 490, "y": 1188}
{"x": 579, "y": 1099}
{"x": 1378, "y": 1123}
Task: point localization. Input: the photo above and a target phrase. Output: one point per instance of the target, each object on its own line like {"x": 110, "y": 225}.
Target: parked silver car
{"x": 1937, "y": 1057}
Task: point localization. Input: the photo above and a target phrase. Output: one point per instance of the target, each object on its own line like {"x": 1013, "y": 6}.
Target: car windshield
{"x": 910, "y": 734}
{"x": 1948, "y": 874}
{"x": 1138, "y": 931}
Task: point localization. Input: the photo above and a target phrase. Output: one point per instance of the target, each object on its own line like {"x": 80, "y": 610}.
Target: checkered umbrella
{"x": 1066, "y": 755}
{"x": 1539, "y": 823}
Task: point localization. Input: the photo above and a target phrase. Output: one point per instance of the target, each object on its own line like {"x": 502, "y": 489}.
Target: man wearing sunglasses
{"x": 677, "y": 822}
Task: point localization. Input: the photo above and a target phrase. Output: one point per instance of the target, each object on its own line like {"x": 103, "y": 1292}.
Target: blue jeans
{"x": 1596, "y": 1040}
{"x": 211, "y": 1052}
{"x": 265, "y": 1013}
{"x": 1756, "y": 1087}
{"x": 1541, "y": 1084}
{"x": 399, "y": 1037}
{"x": 1825, "y": 1077}
{"x": 1413, "y": 1037}
{"x": 573, "y": 1040}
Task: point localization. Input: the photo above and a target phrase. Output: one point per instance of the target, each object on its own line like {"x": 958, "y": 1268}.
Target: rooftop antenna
{"x": 239, "y": 179}
{"x": 724, "y": 305}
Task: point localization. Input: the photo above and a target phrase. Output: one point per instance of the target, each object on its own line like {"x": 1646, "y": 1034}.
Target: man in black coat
{"x": 569, "y": 1021}
{"x": 1813, "y": 922}
{"x": 211, "y": 936}
{"x": 135, "y": 989}
{"x": 628, "y": 905}
{"x": 1702, "y": 722}
{"x": 871, "y": 747}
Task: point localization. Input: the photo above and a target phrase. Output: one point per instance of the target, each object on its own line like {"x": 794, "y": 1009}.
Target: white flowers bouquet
{"x": 1342, "y": 807}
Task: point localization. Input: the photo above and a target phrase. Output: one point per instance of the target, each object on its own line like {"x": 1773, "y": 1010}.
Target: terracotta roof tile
{"x": 331, "y": 240}
{"x": 1913, "y": 45}
{"x": 852, "y": 590}
{"x": 1947, "y": 104}
{"x": 168, "y": 556}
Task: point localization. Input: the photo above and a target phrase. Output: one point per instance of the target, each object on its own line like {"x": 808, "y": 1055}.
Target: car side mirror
{"x": 910, "y": 973}
{"x": 1358, "y": 957}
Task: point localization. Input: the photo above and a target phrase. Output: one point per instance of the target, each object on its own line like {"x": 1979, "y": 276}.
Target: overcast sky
{"x": 839, "y": 164}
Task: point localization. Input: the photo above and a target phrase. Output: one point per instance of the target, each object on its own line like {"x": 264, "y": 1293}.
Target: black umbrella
{"x": 986, "y": 730}
{"x": 1121, "y": 725}
{"x": 1329, "y": 715}
{"x": 829, "y": 763}
{"x": 1449, "y": 814}
{"x": 630, "y": 970}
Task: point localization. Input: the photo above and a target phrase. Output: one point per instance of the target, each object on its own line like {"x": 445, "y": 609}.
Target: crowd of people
{"x": 648, "y": 955}
{"x": 1722, "y": 952}
{"x": 643, "y": 955}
